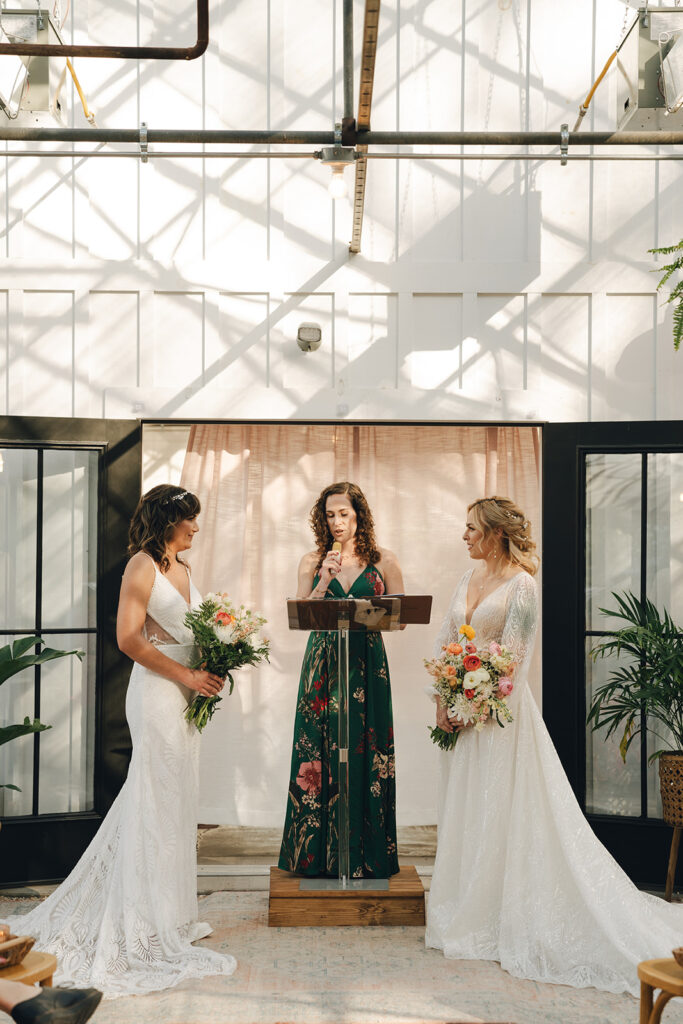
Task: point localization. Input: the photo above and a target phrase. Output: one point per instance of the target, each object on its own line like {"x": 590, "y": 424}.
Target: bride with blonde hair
{"x": 519, "y": 876}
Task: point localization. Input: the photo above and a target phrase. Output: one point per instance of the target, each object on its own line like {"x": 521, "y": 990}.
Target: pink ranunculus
{"x": 505, "y": 686}
{"x": 495, "y": 648}
{"x": 471, "y": 648}
{"x": 310, "y": 776}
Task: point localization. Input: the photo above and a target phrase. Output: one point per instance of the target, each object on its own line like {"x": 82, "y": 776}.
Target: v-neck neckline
{"x": 361, "y": 573}
{"x": 468, "y": 621}
{"x": 189, "y": 585}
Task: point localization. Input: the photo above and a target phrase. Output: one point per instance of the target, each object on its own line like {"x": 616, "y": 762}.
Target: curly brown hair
{"x": 158, "y": 513}
{"x": 489, "y": 514}
{"x": 364, "y": 541}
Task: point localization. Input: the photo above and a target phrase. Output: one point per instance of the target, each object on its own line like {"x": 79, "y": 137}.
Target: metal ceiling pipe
{"x": 121, "y": 52}
{"x": 539, "y": 158}
{"x": 187, "y": 136}
{"x": 374, "y": 138}
{"x": 364, "y": 138}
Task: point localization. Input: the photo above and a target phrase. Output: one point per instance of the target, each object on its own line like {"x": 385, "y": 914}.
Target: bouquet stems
{"x": 444, "y": 740}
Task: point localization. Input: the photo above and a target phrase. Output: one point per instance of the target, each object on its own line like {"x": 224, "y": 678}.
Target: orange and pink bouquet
{"x": 472, "y": 683}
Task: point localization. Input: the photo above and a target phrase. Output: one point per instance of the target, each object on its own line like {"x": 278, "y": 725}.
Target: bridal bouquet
{"x": 226, "y": 639}
{"x": 472, "y": 684}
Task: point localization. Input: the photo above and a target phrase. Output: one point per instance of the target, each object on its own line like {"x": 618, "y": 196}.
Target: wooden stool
{"x": 662, "y": 974}
{"x": 35, "y": 967}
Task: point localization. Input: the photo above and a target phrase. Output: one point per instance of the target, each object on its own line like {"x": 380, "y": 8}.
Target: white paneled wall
{"x": 485, "y": 289}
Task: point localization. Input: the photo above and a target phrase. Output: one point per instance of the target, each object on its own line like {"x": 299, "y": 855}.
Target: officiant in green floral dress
{"x": 357, "y": 569}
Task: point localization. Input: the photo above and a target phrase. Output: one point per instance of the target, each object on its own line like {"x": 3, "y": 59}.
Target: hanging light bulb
{"x": 337, "y": 186}
{"x": 337, "y": 158}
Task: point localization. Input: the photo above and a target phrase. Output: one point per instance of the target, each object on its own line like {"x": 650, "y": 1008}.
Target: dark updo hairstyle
{"x": 364, "y": 541}
{"x": 154, "y": 520}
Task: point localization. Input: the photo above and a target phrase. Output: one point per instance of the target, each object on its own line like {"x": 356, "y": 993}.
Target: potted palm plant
{"x": 14, "y": 658}
{"x": 645, "y": 691}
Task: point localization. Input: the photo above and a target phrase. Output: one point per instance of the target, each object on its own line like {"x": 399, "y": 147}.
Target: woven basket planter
{"x": 671, "y": 787}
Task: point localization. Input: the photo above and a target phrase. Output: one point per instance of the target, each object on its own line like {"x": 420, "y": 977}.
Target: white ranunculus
{"x": 474, "y": 678}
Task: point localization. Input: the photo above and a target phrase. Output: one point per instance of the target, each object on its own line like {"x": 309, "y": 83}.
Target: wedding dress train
{"x": 519, "y": 875}
{"x": 124, "y": 919}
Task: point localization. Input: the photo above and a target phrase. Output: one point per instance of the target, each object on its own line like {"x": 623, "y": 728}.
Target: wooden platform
{"x": 292, "y": 907}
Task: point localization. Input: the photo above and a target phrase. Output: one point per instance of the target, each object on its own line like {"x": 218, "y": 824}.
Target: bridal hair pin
{"x": 177, "y": 497}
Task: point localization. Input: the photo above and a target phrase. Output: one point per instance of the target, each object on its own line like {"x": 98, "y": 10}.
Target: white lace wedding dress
{"x": 519, "y": 875}
{"x": 124, "y": 919}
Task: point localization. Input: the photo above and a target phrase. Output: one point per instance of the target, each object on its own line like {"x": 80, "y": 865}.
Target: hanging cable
{"x": 583, "y": 109}
{"x": 89, "y": 115}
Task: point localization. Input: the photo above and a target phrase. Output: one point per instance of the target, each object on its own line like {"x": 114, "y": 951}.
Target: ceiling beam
{"x": 367, "y": 78}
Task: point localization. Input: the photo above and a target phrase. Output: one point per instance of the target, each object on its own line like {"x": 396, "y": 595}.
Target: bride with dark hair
{"x": 126, "y": 916}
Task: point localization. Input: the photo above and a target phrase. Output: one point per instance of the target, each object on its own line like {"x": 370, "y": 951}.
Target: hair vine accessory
{"x": 177, "y": 497}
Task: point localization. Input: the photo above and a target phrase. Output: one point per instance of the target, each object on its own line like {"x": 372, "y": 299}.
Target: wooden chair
{"x": 665, "y": 975}
{"x": 35, "y": 967}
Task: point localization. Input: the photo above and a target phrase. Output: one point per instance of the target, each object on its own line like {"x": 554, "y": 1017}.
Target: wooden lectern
{"x": 343, "y": 616}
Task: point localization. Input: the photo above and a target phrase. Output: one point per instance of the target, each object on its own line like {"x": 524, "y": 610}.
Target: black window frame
{"x": 44, "y": 847}
{"x": 639, "y": 844}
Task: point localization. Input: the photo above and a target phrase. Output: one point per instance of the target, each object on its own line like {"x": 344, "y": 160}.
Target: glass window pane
{"x": 16, "y": 757}
{"x": 613, "y": 491}
{"x": 664, "y": 572}
{"x": 612, "y": 787}
{"x": 67, "y": 700}
{"x": 69, "y": 539}
{"x": 665, "y": 532}
{"x": 18, "y": 469}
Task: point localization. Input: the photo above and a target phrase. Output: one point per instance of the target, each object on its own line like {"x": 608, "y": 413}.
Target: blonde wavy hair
{"x": 490, "y": 514}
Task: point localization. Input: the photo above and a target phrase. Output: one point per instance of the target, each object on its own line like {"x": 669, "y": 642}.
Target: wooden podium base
{"x": 289, "y": 906}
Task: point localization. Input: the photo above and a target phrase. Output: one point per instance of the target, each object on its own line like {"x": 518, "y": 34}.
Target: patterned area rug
{"x": 364, "y": 975}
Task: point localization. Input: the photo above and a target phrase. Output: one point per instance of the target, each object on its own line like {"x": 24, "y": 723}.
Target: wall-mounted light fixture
{"x": 337, "y": 158}
{"x": 309, "y": 337}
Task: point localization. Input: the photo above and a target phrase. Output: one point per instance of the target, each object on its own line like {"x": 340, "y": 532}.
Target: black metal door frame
{"x": 44, "y": 848}
{"x": 640, "y": 845}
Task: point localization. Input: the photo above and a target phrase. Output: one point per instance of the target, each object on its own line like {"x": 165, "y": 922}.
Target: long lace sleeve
{"x": 449, "y": 627}
{"x": 521, "y": 616}
{"x": 447, "y": 634}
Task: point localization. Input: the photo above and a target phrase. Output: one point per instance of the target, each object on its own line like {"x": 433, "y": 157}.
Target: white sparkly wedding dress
{"x": 125, "y": 918}
{"x": 519, "y": 875}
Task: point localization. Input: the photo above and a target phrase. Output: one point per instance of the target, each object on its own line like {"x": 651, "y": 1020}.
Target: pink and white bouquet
{"x": 226, "y": 639}
{"x": 472, "y": 683}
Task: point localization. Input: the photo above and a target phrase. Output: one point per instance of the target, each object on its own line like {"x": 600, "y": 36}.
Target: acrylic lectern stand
{"x": 341, "y": 617}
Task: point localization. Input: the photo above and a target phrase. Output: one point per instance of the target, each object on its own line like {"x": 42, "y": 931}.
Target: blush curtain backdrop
{"x": 257, "y": 483}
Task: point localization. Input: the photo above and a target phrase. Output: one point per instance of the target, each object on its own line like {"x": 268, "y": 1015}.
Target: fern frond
{"x": 678, "y": 325}
{"x": 665, "y": 250}
{"x": 670, "y": 270}
{"x": 676, "y": 295}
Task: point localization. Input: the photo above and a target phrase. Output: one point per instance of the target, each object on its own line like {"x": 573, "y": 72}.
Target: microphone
{"x": 337, "y": 548}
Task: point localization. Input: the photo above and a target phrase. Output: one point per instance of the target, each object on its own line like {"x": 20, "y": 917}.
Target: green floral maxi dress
{"x": 309, "y": 842}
